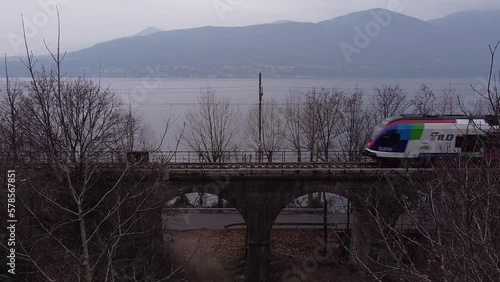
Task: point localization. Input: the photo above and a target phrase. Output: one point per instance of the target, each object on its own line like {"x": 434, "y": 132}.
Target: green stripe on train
{"x": 418, "y": 130}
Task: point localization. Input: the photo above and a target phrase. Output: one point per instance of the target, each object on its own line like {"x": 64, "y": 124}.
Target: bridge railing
{"x": 200, "y": 157}
{"x": 296, "y": 225}
{"x": 255, "y": 157}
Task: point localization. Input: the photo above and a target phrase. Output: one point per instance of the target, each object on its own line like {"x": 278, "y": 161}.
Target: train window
{"x": 376, "y": 131}
{"x": 459, "y": 141}
{"x": 390, "y": 140}
{"x": 379, "y": 127}
{"x": 470, "y": 143}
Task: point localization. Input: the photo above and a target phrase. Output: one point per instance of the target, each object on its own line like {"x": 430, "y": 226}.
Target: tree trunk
{"x": 85, "y": 248}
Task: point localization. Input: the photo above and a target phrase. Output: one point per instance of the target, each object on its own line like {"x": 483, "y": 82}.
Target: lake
{"x": 155, "y": 99}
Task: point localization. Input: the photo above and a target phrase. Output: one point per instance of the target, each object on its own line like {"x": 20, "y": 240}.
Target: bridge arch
{"x": 261, "y": 195}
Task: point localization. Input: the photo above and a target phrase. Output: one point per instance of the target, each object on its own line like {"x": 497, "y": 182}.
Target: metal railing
{"x": 256, "y": 157}
{"x": 240, "y": 157}
{"x": 339, "y": 227}
{"x": 282, "y": 166}
{"x": 331, "y": 226}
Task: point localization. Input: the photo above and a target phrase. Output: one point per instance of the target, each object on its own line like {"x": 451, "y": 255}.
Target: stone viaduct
{"x": 261, "y": 194}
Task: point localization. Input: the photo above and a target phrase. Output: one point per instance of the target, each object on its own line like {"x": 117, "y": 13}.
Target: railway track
{"x": 287, "y": 165}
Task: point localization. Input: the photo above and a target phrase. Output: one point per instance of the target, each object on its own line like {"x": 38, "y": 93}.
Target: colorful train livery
{"x": 423, "y": 137}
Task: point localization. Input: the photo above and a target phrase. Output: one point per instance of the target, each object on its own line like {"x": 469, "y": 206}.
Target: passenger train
{"x": 419, "y": 138}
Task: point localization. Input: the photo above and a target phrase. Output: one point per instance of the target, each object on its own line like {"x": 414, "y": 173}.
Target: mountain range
{"x": 373, "y": 43}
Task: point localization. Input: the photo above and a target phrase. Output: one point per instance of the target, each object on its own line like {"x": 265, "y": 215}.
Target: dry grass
{"x": 292, "y": 250}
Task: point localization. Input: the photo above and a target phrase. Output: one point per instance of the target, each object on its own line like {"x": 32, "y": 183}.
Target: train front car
{"x": 415, "y": 139}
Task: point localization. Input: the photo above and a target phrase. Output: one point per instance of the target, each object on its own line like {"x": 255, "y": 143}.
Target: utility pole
{"x": 261, "y": 93}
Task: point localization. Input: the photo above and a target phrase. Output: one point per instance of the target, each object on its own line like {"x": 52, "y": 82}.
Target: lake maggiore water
{"x": 155, "y": 99}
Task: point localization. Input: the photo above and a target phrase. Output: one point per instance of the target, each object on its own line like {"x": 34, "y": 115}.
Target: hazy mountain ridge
{"x": 147, "y": 31}
{"x": 403, "y": 46}
{"x": 470, "y": 19}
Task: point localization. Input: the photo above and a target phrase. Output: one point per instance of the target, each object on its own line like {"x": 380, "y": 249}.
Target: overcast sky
{"x": 86, "y": 22}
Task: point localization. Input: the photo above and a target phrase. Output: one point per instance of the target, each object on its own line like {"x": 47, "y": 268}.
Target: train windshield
{"x": 376, "y": 131}
{"x": 378, "y": 128}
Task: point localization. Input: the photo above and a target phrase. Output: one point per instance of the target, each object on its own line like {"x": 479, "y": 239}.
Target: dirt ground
{"x": 297, "y": 255}
{"x": 195, "y": 249}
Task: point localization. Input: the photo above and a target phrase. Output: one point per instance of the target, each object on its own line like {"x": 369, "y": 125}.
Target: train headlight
{"x": 369, "y": 144}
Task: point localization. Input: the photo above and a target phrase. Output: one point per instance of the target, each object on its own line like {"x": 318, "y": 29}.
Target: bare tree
{"x": 441, "y": 224}
{"x": 79, "y": 220}
{"x": 424, "y": 101}
{"x": 310, "y": 127}
{"x": 492, "y": 96}
{"x": 10, "y": 134}
{"x": 354, "y": 123}
{"x": 75, "y": 128}
{"x": 272, "y": 129}
{"x": 388, "y": 101}
{"x": 325, "y": 107}
{"x": 446, "y": 225}
{"x": 292, "y": 114}
{"x": 212, "y": 126}
{"x": 74, "y": 119}
{"x": 137, "y": 136}
{"x": 448, "y": 104}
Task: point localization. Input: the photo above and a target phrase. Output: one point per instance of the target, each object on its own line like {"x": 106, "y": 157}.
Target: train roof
{"x": 489, "y": 119}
